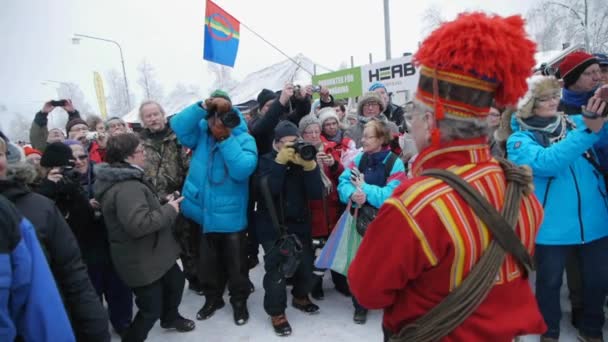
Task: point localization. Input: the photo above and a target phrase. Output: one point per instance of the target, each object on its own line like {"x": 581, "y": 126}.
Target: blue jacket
{"x": 217, "y": 186}
{"x": 376, "y": 195}
{"x": 572, "y": 191}
{"x": 30, "y": 304}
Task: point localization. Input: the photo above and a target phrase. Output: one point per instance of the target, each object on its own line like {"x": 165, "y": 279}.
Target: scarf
{"x": 546, "y": 130}
{"x": 336, "y": 138}
{"x": 576, "y": 99}
{"x": 327, "y": 184}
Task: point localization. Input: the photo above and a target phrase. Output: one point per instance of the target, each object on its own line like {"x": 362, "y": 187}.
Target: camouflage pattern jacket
{"x": 166, "y": 161}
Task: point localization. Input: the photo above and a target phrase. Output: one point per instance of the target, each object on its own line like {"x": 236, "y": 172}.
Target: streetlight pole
{"x": 122, "y": 60}
{"x": 387, "y": 30}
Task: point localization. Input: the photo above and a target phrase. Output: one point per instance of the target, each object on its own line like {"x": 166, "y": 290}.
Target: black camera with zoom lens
{"x": 229, "y": 119}
{"x": 306, "y": 150}
{"x": 70, "y": 175}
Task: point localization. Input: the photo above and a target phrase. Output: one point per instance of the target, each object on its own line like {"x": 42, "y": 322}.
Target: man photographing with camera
{"x": 216, "y": 193}
{"x": 40, "y": 136}
{"x": 290, "y": 175}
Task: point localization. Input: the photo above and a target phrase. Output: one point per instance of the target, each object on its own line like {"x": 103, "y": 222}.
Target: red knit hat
{"x": 571, "y": 68}
{"x": 30, "y": 150}
{"x": 468, "y": 63}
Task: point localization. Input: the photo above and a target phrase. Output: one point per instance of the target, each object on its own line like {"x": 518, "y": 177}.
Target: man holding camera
{"x": 166, "y": 166}
{"x": 581, "y": 76}
{"x": 40, "y": 136}
{"x": 216, "y": 193}
{"x": 292, "y": 179}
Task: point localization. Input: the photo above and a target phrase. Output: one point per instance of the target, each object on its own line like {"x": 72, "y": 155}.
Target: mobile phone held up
{"x": 58, "y": 103}
{"x": 603, "y": 94}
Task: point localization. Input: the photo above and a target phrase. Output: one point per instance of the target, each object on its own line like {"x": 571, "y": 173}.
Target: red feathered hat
{"x": 467, "y": 63}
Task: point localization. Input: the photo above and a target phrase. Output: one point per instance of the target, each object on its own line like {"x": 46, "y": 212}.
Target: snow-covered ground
{"x": 333, "y": 324}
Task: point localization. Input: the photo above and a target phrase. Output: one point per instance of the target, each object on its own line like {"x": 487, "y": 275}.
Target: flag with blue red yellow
{"x": 222, "y": 35}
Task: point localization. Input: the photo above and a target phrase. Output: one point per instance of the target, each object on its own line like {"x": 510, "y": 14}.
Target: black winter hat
{"x": 285, "y": 129}
{"x": 264, "y": 96}
{"x": 57, "y": 154}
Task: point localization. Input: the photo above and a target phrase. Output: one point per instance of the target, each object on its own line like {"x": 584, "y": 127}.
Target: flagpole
{"x": 276, "y": 48}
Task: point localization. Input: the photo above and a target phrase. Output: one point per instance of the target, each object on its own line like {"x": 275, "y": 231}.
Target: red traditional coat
{"x": 426, "y": 239}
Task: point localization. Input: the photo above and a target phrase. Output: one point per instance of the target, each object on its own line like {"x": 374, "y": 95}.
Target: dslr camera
{"x": 306, "y": 150}
{"x": 229, "y": 119}
{"x": 69, "y": 174}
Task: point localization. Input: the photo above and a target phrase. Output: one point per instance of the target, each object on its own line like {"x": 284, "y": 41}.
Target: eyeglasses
{"x": 313, "y": 132}
{"x": 555, "y": 96}
{"x": 592, "y": 72}
{"x": 79, "y": 129}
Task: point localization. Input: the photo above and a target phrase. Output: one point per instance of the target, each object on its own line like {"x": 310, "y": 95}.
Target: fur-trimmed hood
{"x": 369, "y": 97}
{"x": 18, "y": 177}
{"x": 108, "y": 175}
{"x": 23, "y": 172}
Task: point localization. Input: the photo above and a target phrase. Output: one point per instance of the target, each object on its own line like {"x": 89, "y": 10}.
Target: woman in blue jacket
{"x": 216, "y": 194}
{"x": 559, "y": 149}
{"x": 373, "y": 182}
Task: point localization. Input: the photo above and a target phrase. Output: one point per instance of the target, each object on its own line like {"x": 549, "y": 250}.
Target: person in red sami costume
{"x": 426, "y": 239}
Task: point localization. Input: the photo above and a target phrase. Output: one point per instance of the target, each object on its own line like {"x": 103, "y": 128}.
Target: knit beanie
{"x": 30, "y": 150}
{"x": 601, "y": 58}
{"x": 265, "y": 96}
{"x": 377, "y": 85}
{"x": 538, "y": 86}
{"x": 571, "y": 68}
{"x": 367, "y": 98}
{"x": 306, "y": 121}
{"x": 326, "y": 114}
{"x": 222, "y": 94}
{"x": 56, "y": 154}
{"x": 285, "y": 128}
{"x": 74, "y": 122}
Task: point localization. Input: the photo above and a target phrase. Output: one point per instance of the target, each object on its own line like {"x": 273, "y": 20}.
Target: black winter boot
{"x": 211, "y": 305}
{"x": 240, "y": 313}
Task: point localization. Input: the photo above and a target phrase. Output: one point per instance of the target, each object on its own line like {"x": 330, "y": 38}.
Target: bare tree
{"x": 118, "y": 105}
{"x": 431, "y": 19}
{"x": 152, "y": 90}
{"x": 19, "y": 128}
{"x": 73, "y": 92}
{"x": 223, "y": 77}
{"x": 556, "y": 22}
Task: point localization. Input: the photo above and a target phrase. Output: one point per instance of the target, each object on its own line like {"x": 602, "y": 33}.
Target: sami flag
{"x": 222, "y": 34}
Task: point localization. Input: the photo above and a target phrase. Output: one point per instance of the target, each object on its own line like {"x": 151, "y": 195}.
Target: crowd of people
{"x": 101, "y": 213}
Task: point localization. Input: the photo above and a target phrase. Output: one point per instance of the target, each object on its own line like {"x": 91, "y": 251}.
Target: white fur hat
{"x": 326, "y": 114}
{"x": 537, "y": 86}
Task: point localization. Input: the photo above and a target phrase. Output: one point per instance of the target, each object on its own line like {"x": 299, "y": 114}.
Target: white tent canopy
{"x": 273, "y": 77}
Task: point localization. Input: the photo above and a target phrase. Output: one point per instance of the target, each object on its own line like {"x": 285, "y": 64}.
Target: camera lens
{"x": 230, "y": 119}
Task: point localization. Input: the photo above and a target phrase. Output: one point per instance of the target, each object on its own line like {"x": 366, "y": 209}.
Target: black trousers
{"x": 157, "y": 300}
{"x": 223, "y": 259}
{"x": 275, "y": 295}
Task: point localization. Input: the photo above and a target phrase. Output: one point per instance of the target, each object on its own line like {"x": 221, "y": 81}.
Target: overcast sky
{"x": 35, "y": 37}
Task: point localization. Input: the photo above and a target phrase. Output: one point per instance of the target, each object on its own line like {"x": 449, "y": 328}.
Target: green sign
{"x": 341, "y": 84}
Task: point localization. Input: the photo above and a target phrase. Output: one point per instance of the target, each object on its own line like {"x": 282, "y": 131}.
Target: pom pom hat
{"x": 467, "y": 63}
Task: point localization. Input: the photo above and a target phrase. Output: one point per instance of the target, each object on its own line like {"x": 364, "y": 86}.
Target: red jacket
{"x": 426, "y": 239}
{"x": 325, "y": 216}
{"x": 96, "y": 153}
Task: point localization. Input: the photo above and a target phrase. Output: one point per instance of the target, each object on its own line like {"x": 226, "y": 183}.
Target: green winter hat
{"x": 222, "y": 94}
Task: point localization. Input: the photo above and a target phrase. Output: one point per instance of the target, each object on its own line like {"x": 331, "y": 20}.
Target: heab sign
{"x": 398, "y": 75}
{"x": 341, "y": 84}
